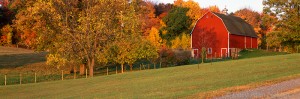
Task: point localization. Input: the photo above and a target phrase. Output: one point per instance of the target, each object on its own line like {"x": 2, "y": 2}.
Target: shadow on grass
{"x": 17, "y": 60}
{"x": 253, "y": 53}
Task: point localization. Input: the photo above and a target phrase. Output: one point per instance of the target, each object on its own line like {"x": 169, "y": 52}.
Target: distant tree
{"x": 214, "y": 9}
{"x": 194, "y": 12}
{"x": 182, "y": 42}
{"x": 154, "y": 38}
{"x": 162, "y": 9}
{"x": 288, "y": 12}
{"x": 26, "y": 23}
{"x": 176, "y": 23}
{"x": 274, "y": 39}
{"x": 268, "y": 24}
{"x": 6, "y": 35}
{"x": 148, "y": 18}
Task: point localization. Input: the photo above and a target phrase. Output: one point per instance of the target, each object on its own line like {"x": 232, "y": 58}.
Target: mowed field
{"x": 175, "y": 82}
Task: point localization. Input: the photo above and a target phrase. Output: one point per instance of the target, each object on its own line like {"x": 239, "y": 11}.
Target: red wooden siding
{"x": 237, "y": 41}
{"x": 210, "y": 32}
{"x": 254, "y": 43}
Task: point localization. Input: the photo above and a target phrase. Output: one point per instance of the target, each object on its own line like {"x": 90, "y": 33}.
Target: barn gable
{"x": 237, "y": 26}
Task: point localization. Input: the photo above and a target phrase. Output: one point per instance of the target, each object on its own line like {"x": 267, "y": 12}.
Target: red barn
{"x": 220, "y": 34}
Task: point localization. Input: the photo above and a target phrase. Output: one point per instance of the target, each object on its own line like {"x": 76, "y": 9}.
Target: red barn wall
{"x": 237, "y": 41}
{"x": 248, "y": 42}
{"x": 210, "y": 32}
{"x": 254, "y": 42}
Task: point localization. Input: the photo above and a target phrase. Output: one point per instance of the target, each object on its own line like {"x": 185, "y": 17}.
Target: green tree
{"x": 176, "y": 23}
{"x": 288, "y": 12}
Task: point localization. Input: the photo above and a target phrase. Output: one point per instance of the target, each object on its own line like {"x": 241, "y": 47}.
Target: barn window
{"x": 209, "y": 50}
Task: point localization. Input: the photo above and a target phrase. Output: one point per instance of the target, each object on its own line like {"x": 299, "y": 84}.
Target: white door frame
{"x": 222, "y": 52}
{"x": 193, "y": 52}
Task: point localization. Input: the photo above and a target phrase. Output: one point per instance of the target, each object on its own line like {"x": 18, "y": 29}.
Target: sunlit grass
{"x": 174, "y": 82}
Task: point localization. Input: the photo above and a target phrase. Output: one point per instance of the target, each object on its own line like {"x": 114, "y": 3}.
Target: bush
{"x": 171, "y": 57}
{"x": 167, "y": 56}
{"x": 182, "y": 57}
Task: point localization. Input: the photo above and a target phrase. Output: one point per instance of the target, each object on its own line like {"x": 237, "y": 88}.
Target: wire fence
{"x": 34, "y": 77}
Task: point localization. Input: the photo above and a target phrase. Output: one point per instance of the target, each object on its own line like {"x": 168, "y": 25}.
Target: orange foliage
{"x": 149, "y": 18}
{"x": 214, "y": 9}
{"x": 28, "y": 37}
{"x": 195, "y": 12}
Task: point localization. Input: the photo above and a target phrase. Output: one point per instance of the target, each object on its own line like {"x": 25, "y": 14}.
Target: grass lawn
{"x": 252, "y": 53}
{"x": 175, "y": 82}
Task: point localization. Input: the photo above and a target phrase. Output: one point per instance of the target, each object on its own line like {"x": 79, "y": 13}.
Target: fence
{"x": 34, "y": 77}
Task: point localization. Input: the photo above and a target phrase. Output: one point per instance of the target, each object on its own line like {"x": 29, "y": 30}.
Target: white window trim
{"x": 209, "y": 52}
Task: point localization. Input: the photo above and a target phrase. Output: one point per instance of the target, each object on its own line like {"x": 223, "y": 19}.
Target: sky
{"x": 231, "y": 5}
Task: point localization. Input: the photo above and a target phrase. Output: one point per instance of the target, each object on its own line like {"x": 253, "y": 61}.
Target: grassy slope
{"x": 252, "y": 53}
{"x": 164, "y": 83}
{"x": 15, "y": 57}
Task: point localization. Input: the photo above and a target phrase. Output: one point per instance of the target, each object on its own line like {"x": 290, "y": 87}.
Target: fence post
{"x": 140, "y": 67}
{"x": 20, "y": 78}
{"x": 5, "y": 80}
{"x": 154, "y": 66}
{"x": 107, "y": 70}
{"x": 34, "y": 77}
{"x": 116, "y": 69}
{"x": 85, "y": 73}
{"x": 62, "y": 74}
{"x": 159, "y": 64}
{"x": 148, "y": 66}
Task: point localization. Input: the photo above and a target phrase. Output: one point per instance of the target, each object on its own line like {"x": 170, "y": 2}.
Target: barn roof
{"x": 236, "y": 25}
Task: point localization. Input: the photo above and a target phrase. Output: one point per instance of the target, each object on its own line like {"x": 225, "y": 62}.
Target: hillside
{"x": 175, "y": 82}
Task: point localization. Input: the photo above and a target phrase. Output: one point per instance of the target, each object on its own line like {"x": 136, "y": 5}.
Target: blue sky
{"x": 231, "y": 5}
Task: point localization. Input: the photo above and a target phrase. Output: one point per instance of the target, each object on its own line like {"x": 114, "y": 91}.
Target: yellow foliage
{"x": 195, "y": 12}
{"x": 162, "y": 23}
{"x": 182, "y": 42}
{"x": 7, "y": 34}
{"x": 154, "y": 38}
{"x": 56, "y": 60}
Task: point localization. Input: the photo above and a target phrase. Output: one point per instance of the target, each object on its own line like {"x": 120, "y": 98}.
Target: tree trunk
{"x": 91, "y": 67}
{"x": 130, "y": 67}
{"x": 122, "y": 68}
{"x": 75, "y": 71}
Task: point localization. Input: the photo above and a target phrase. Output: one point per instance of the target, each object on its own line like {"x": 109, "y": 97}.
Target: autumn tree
{"x": 80, "y": 31}
{"x": 288, "y": 25}
{"x": 26, "y": 23}
{"x": 214, "y": 9}
{"x": 182, "y": 42}
{"x": 154, "y": 38}
{"x": 194, "y": 12}
{"x": 176, "y": 23}
{"x": 161, "y": 9}
{"x": 268, "y": 24}
{"x": 6, "y": 35}
{"x": 146, "y": 13}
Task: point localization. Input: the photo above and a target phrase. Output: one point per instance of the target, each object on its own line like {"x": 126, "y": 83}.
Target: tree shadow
{"x": 18, "y": 60}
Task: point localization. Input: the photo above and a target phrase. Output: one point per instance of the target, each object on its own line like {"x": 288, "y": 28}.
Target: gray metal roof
{"x": 236, "y": 25}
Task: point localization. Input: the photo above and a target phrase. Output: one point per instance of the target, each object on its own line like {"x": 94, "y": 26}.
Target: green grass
{"x": 252, "y": 53}
{"x": 174, "y": 82}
